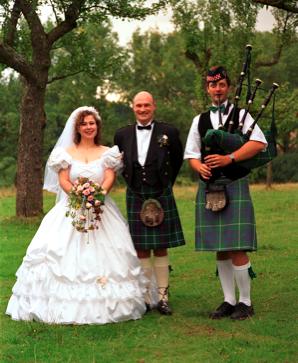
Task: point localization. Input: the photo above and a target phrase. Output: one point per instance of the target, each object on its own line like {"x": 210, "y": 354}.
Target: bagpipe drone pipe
{"x": 228, "y": 141}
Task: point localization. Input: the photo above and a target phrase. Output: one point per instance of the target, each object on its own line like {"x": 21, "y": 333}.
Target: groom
{"x": 152, "y": 156}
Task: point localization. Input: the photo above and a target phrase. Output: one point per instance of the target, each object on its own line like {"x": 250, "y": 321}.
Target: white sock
{"x": 148, "y": 270}
{"x": 243, "y": 282}
{"x": 226, "y": 276}
{"x": 161, "y": 269}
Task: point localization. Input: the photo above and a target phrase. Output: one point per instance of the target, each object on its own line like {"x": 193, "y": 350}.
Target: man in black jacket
{"x": 152, "y": 155}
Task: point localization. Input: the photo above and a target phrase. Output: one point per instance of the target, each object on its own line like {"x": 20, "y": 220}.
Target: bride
{"x": 71, "y": 277}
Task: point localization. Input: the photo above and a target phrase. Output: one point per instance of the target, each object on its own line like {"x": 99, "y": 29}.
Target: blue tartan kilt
{"x": 168, "y": 234}
{"x": 234, "y": 228}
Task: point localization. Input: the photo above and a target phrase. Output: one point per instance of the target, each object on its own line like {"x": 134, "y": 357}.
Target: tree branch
{"x": 194, "y": 58}
{"x": 290, "y": 6}
{"x": 54, "y": 11}
{"x": 274, "y": 60}
{"x": 276, "y": 57}
{"x": 71, "y": 16}
{"x": 58, "y": 78}
{"x": 15, "y": 61}
{"x": 11, "y": 24}
{"x": 37, "y": 32}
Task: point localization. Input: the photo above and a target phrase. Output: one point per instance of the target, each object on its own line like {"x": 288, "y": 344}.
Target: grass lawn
{"x": 188, "y": 335}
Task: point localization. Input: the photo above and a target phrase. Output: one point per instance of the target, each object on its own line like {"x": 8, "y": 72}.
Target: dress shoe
{"x": 225, "y": 309}
{"x": 148, "y": 308}
{"x": 242, "y": 312}
{"x": 164, "y": 308}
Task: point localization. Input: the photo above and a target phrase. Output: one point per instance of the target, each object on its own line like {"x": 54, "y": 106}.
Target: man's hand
{"x": 217, "y": 161}
{"x": 205, "y": 171}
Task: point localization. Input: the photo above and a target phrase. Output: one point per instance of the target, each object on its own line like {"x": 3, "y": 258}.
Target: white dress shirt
{"x": 193, "y": 143}
{"x": 143, "y": 141}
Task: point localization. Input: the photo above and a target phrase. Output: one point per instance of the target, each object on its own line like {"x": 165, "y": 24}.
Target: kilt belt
{"x": 232, "y": 229}
{"x": 166, "y": 235}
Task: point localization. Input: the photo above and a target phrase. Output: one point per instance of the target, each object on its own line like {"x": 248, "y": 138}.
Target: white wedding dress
{"x": 67, "y": 277}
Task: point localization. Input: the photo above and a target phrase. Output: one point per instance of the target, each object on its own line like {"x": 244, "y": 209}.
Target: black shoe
{"x": 164, "y": 308}
{"x": 242, "y": 312}
{"x": 225, "y": 309}
{"x": 148, "y": 308}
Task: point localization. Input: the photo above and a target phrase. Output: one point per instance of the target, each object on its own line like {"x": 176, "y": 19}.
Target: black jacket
{"x": 165, "y": 159}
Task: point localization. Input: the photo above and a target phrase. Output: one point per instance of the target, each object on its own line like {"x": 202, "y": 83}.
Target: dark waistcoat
{"x": 147, "y": 174}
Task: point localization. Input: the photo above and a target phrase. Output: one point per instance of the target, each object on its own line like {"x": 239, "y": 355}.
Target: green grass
{"x": 188, "y": 335}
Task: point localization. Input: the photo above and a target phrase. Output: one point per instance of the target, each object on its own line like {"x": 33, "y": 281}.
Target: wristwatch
{"x": 232, "y": 157}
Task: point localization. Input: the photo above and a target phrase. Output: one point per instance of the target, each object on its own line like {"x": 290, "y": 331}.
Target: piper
{"x": 225, "y": 221}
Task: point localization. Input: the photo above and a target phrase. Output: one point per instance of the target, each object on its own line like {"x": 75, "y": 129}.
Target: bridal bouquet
{"x": 85, "y": 202}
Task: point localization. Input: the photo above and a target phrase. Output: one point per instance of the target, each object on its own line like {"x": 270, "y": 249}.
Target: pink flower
{"x": 82, "y": 218}
{"x": 97, "y": 203}
{"x": 86, "y": 192}
{"x": 86, "y": 185}
{"x": 90, "y": 198}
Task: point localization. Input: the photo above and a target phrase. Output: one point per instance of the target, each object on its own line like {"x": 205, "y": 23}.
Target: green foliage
{"x": 7, "y": 171}
{"x": 91, "y": 49}
{"x": 9, "y": 126}
{"x": 157, "y": 64}
{"x": 209, "y": 28}
{"x": 284, "y": 169}
{"x": 189, "y": 335}
{"x": 92, "y": 55}
{"x": 264, "y": 47}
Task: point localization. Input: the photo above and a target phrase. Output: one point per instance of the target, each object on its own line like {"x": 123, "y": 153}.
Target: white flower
{"x": 88, "y": 205}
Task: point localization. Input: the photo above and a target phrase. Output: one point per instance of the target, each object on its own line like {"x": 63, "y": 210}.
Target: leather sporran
{"x": 152, "y": 214}
{"x": 216, "y": 197}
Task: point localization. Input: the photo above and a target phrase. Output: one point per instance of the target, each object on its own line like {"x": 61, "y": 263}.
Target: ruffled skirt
{"x": 68, "y": 277}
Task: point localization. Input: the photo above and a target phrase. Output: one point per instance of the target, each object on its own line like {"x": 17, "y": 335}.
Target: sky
{"x": 161, "y": 21}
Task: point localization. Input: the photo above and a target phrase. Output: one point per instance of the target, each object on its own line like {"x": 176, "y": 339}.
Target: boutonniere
{"x": 163, "y": 140}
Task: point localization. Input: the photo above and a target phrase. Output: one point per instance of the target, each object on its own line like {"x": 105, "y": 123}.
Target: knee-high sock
{"x": 243, "y": 282}
{"x": 226, "y": 276}
{"x": 161, "y": 269}
{"x": 148, "y": 270}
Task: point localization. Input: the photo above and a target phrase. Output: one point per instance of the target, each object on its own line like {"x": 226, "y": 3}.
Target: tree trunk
{"x": 269, "y": 175}
{"x": 29, "y": 168}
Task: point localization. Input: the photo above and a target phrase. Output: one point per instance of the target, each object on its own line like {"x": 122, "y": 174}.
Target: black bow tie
{"x": 148, "y": 127}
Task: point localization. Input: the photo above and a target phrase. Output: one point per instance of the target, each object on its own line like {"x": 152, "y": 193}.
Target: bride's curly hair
{"x": 80, "y": 119}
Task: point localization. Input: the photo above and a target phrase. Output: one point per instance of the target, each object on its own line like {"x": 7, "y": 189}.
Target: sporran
{"x": 151, "y": 214}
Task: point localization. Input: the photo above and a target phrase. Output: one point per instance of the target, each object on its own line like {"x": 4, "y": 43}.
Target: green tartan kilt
{"x": 168, "y": 234}
{"x": 234, "y": 228}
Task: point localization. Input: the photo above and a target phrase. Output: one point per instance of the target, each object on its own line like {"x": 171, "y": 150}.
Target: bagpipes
{"x": 229, "y": 141}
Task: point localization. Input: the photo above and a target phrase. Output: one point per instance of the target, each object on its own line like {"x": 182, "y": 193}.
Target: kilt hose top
{"x": 168, "y": 234}
{"x": 232, "y": 229}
